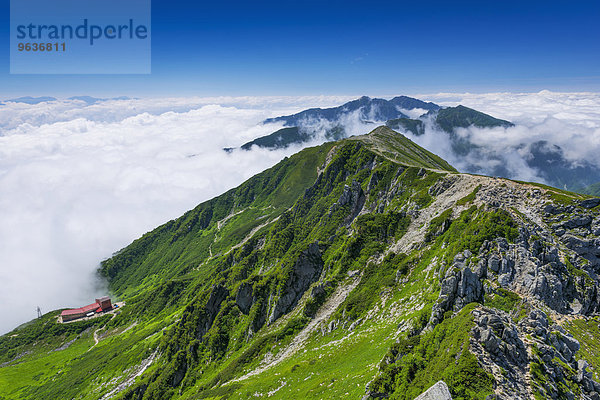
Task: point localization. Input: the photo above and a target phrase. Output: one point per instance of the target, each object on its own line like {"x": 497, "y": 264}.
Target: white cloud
{"x": 568, "y": 120}
{"x": 414, "y": 113}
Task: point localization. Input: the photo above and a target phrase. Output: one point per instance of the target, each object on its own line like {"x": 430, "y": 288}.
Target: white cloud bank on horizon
{"x": 79, "y": 182}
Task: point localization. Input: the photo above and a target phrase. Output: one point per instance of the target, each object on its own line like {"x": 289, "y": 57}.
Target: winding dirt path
{"x": 299, "y": 341}
{"x": 461, "y": 187}
{"x": 130, "y": 379}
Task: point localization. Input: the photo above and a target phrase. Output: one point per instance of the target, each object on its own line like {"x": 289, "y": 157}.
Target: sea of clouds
{"x": 80, "y": 181}
{"x": 568, "y": 120}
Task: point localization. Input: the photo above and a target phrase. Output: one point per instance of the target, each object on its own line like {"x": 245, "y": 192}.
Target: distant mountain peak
{"x": 450, "y": 118}
{"x": 32, "y": 100}
{"x": 371, "y": 109}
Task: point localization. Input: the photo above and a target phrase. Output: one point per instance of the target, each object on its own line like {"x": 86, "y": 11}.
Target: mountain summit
{"x": 361, "y": 268}
{"x": 369, "y": 109}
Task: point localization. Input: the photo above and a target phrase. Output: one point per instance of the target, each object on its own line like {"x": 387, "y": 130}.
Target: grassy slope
{"x": 593, "y": 190}
{"x": 179, "y": 246}
{"x": 395, "y": 146}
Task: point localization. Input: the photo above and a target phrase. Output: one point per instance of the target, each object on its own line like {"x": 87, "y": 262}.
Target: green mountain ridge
{"x": 362, "y": 268}
{"x": 547, "y": 159}
{"x": 450, "y": 118}
{"x": 593, "y": 190}
{"x": 298, "y": 128}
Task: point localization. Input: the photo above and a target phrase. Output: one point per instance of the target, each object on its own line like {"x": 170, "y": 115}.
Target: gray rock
{"x": 481, "y": 269}
{"x": 352, "y": 196}
{"x": 590, "y": 203}
{"x": 438, "y": 391}
{"x": 442, "y": 185}
{"x": 549, "y": 288}
{"x": 586, "y": 248}
{"x": 469, "y": 288}
{"x": 504, "y": 280}
{"x": 570, "y": 342}
{"x": 306, "y": 270}
{"x": 577, "y": 222}
{"x": 552, "y": 209}
{"x": 494, "y": 263}
{"x": 243, "y": 298}
{"x": 596, "y": 227}
{"x": 489, "y": 341}
{"x": 217, "y": 295}
{"x": 495, "y": 322}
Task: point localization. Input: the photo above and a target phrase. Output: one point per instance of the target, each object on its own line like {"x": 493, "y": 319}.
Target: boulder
{"x": 589, "y": 249}
{"x": 469, "y": 288}
{"x": 577, "y": 221}
{"x": 438, "y": 391}
{"x": 551, "y": 209}
{"x": 590, "y": 203}
{"x": 494, "y": 263}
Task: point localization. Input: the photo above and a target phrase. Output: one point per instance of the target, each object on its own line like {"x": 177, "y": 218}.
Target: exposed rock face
{"x": 516, "y": 353}
{"x": 553, "y": 265}
{"x": 531, "y": 267}
{"x": 243, "y": 299}
{"x": 500, "y": 349}
{"x": 439, "y": 391}
{"x": 460, "y": 286}
{"x": 590, "y": 203}
{"x": 354, "y": 198}
{"x": 217, "y": 296}
{"x": 586, "y": 248}
{"x": 442, "y": 185}
{"x": 305, "y": 271}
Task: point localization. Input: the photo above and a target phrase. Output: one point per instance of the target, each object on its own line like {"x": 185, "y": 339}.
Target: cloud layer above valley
{"x": 568, "y": 120}
{"x": 78, "y": 182}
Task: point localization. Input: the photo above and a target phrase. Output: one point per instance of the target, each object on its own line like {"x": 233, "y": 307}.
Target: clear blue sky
{"x": 348, "y": 47}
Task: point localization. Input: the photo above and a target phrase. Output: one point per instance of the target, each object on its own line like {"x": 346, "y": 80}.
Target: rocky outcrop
{"x": 438, "y": 391}
{"x": 532, "y": 267}
{"x": 243, "y": 298}
{"x": 590, "y": 203}
{"x": 496, "y": 341}
{"x": 531, "y": 355}
{"x": 460, "y": 286}
{"x": 352, "y": 197}
{"x": 586, "y": 248}
{"x": 217, "y": 295}
{"x": 442, "y": 185}
{"x": 305, "y": 271}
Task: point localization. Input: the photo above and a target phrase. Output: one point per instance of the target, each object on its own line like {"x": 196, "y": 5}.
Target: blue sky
{"x": 347, "y": 47}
